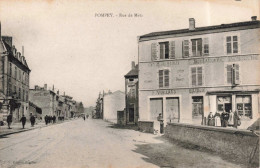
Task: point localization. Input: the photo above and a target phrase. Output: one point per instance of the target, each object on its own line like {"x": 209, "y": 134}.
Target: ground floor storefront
{"x": 193, "y": 105}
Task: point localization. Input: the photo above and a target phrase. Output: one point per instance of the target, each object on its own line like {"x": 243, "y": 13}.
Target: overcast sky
{"x": 66, "y": 45}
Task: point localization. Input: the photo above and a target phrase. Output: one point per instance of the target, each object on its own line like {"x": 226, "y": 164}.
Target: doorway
{"x": 131, "y": 113}
{"x": 172, "y": 110}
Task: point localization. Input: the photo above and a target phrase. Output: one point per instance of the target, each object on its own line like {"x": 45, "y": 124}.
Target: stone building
{"x": 131, "y": 95}
{"x": 14, "y": 82}
{"x": 185, "y": 74}
{"x": 113, "y": 102}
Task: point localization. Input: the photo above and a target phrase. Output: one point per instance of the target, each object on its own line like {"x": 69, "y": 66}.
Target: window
{"x": 19, "y": 93}
{"x": 164, "y": 50}
{"x": 232, "y": 71}
{"x": 164, "y": 78}
{"x": 196, "y": 47}
{"x": 224, "y": 103}
{"x": 244, "y": 106}
{"x": 206, "y": 46}
{"x": 15, "y": 72}
{"x": 231, "y": 44}
{"x": 196, "y": 76}
{"x": 185, "y": 49}
{"x": 10, "y": 69}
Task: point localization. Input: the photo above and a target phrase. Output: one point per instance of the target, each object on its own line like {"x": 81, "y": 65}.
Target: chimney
{"x": 52, "y": 87}
{"x": 22, "y": 50}
{"x": 45, "y": 86}
{"x": 133, "y": 65}
{"x": 191, "y": 24}
{"x": 253, "y": 18}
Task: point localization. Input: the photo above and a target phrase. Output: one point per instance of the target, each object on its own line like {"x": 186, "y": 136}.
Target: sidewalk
{"x": 17, "y": 127}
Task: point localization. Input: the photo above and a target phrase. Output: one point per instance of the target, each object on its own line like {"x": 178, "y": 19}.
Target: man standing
{"x": 23, "y": 119}
{"x": 160, "y": 119}
{"x": 46, "y": 119}
{"x": 225, "y": 117}
{"x": 9, "y": 120}
{"x": 32, "y": 119}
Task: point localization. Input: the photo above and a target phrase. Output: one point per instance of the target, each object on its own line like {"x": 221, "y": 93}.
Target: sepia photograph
{"x": 129, "y": 83}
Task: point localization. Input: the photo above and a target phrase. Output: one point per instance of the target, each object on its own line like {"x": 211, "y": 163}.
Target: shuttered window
{"x": 185, "y": 49}
{"x": 232, "y": 44}
{"x": 164, "y": 50}
{"x": 233, "y": 74}
{"x": 196, "y": 47}
{"x": 164, "y": 78}
{"x": 206, "y": 46}
{"x": 154, "y": 51}
{"x": 172, "y": 50}
{"x": 196, "y": 76}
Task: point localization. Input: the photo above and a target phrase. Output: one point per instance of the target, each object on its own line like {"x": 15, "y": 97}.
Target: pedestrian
{"x": 84, "y": 117}
{"x": 225, "y": 117}
{"x": 32, "y": 119}
{"x": 237, "y": 121}
{"x": 23, "y": 120}
{"x": 211, "y": 119}
{"x": 217, "y": 119}
{"x": 231, "y": 118}
{"x": 46, "y": 119}
{"x": 54, "y": 119}
{"x": 160, "y": 119}
{"x": 9, "y": 120}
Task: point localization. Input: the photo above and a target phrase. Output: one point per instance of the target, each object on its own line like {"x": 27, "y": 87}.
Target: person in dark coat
{"x": 160, "y": 119}
{"x": 46, "y": 119}
{"x": 9, "y": 120}
{"x": 236, "y": 118}
{"x": 225, "y": 117}
{"x": 54, "y": 119}
{"x": 84, "y": 117}
{"x": 23, "y": 120}
{"x": 211, "y": 119}
{"x": 32, "y": 119}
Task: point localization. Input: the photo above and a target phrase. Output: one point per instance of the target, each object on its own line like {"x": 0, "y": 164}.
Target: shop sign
{"x": 164, "y": 64}
{"x": 163, "y": 92}
{"x": 197, "y": 90}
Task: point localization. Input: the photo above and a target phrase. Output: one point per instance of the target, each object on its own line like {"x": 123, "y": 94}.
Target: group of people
{"x": 224, "y": 119}
{"x": 49, "y": 119}
{"x": 23, "y": 120}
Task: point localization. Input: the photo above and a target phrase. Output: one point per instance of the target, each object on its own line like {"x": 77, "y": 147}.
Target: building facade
{"x": 185, "y": 74}
{"x": 14, "y": 82}
{"x": 113, "y": 102}
{"x": 131, "y": 95}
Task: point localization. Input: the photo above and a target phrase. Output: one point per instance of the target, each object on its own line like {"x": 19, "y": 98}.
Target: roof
{"x": 197, "y": 29}
{"x": 132, "y": 72}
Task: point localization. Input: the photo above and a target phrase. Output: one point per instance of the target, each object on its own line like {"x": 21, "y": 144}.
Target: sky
{"x": 69, "y": 45}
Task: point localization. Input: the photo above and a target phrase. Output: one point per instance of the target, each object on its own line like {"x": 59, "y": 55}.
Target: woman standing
{"x": 217, "y": 120}
{"x": 211, "y": 120}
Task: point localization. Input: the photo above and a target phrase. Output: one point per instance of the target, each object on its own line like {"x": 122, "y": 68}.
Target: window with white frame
{"x": 196, "y": 47}
{"x": 244, "y": 106}
{"x": 164, "y": 50}
{"x": 205, "y": 46}
{"x": 185, "y": 48}
{"x": 232, "y": 44}
{"x": 197, "y": 76}
{"x": 164, "y": 78}
{"x": 232, "y": 74}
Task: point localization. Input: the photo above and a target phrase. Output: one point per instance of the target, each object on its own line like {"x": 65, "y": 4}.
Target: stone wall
{"x": 146, "y": 126}
{"x": 240, "y": 145}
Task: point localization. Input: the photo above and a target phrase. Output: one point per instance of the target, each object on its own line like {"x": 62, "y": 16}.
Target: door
{"x": 131, "y": 113}
{"x": 197, "y": 110}
{"x": 156, "y": 107}
{"x": 172, "y": 110}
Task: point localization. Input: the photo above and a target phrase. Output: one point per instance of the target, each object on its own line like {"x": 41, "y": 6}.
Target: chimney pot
{"x": 133, "y": 65}
{"x": 253, "y": 18}
{"x": 191, "y": 24}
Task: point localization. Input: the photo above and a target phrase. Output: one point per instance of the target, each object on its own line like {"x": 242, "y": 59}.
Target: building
{"x": 14, "y": 82}
{"x": 44, "y": 99}
{"x": 35, "y": 110}
{"x": 185, "y": 74}
{"x": 131, "y": 95}
{"x": 113, "y": 102}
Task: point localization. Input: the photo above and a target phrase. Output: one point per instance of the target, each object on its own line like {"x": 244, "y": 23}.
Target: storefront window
{"x": 197, "y": 109}
{"x": 224, "y": 103}
{"x": 244, "y": 106}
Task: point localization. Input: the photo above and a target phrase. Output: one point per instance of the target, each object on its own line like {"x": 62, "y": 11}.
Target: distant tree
{"x": 81, "y": 108}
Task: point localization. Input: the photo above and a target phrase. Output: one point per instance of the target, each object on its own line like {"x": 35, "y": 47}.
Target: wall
{"x": 234, "y": 144}
{"x": 42, "y": 99}
{"x": 112, "y": 103}
{"x": 146, "y": 126}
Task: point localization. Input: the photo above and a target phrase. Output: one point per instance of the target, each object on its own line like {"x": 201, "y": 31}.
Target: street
{"x": 94, "y": 144}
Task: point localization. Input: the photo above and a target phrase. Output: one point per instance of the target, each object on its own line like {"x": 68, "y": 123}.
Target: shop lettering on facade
{"x": 197, "y": 90}
{"x": 163, "y": 92}
{"x": 164, "y": 64}
{"x": 223, "y": 59}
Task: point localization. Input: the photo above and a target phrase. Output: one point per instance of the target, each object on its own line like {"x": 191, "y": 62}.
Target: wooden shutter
{"x": 185, "y": 48}
{"x": 162, "y": 47}
{"x": 229, "y": 74}
{"x": 172, "y": 50}
{"x": 235, "y": 44}
{"x": 160, "y": 78}
{"x": 199, "y": 47}
{"x": 199, "y": 76}
{"x": 166, "y": 78}
{"x": 193, "y": 76}
{"x": 236, "y": 74}
{"x": 154, "y": 51}
{"x": 228, "y": 45}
